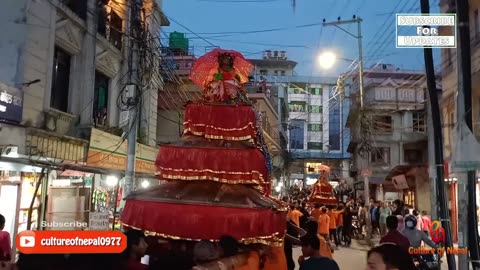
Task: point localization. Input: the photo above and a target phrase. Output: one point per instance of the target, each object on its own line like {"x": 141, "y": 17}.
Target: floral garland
{"x": 262, "y": 146}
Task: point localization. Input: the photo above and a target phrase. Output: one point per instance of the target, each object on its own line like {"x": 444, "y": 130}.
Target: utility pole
{"x": 132, "y": 94}
{"x": 467, "y": 229}
{"x": 438, "y": 143}
{"x": 358, "y": 36}
{"x": 432, "y": 172}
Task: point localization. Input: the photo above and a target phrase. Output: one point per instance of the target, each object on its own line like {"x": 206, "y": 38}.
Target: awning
{"x": 74, "y": 167}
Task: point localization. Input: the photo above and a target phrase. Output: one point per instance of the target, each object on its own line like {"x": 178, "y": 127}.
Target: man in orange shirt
{"x": 295, "y": 215}
{"x": 333, "y": 226}
{"x": 324, "y": 223}
{"x": 315, "y": 212}
{"x": 325, "y": 249}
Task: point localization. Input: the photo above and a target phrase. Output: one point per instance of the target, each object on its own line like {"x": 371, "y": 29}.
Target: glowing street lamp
{"x": 327, "y": 60}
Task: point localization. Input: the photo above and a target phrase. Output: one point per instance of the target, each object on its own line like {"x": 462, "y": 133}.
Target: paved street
{"x": 354, "y": 257}
{"x": 346, "y": 258}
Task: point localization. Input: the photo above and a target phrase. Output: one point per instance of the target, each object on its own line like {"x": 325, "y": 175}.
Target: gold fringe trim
{"x": 250, "y": 124}
{"x": 228, "y": 138}
{"x": 273, "y": 240}
{"x": 212, "y": 178}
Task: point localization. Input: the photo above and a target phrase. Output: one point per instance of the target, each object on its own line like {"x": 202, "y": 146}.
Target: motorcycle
{"x": 356, "y": 229}
{"x": 427, "y": 262}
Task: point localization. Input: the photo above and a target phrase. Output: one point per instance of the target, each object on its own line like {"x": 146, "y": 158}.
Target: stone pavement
{"x": 355, "y": 256}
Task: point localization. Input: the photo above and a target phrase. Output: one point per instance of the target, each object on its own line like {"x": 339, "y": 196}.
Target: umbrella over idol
{"x": 215, "y": 180}
{"x": 322, "y": 190}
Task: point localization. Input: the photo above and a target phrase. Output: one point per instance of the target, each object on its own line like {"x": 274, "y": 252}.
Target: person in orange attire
{"x": 324, "y": 223}
{"x": 332, "y": 228}
{"x": 325, "y": 249}
{"x": 295, "y": 215}
{"x": 315, "y": 212}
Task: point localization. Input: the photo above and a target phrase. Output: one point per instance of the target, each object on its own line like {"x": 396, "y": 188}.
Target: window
{"x": 78, "y": 7}
{"x": 116, "y": 26}
{"x": 60, "y": 80}
{"x": 297, "y": 134}
{"x": 297, "y": 106}
{"x": 315, "y": 146}
{"x": 263, "y": 72}
{"x": 295, "y": 91}
{"x": 100, "y": 100}
{"x": 382, "y": 123}
{"x": 315, "y": 109}
{"x": 380, "y": 155}
{"x": 315, "y": 91}
{"x": 418, "y": 119}
{"x": 282, "y": 73}
{"x": 275, "y": 72}
{"x": 412, "y": 156}
{"x": 315, "y": 127}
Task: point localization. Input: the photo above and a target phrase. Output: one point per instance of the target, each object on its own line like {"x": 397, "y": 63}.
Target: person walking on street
{"x": 347, "y": 226}
{"x": 305, "y": 215}
{"x": 384, "y": 213}
{"x": 394, "y": 236}
{"x": 324, "y": 224}
{"x": 311, "y": 250}
{"x": 339, "y": 221}
{"x": 427, "y": 222}
{"x": 295, "y": 215}
{"x": 333, "y": 227}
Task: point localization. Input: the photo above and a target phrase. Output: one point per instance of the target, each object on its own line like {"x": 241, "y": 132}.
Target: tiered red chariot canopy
{"x": 214, "y": 179}
{"x": 206, "y": 210}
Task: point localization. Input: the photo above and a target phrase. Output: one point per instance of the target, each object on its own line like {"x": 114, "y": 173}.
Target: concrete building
{"x": 316, "y": 116}
{"x": 63, "y": 79}
{"x": 389, "y": 140}
{"x": 448, "y": 99}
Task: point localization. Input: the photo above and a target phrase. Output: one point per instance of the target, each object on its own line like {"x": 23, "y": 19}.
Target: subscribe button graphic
{"x": 70, "y": 242}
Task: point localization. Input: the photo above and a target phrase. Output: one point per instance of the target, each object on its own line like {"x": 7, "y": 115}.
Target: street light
{"x": 327, "y": 60}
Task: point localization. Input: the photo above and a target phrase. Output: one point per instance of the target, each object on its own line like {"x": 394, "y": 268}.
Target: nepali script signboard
{"x": 11, "y": 103}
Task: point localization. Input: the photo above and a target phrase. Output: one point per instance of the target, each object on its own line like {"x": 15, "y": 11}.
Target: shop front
{"x": 20, "y": 205}
{"x": 109, "y": 152}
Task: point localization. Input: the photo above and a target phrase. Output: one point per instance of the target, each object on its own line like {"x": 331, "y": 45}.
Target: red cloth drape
{"x": 220, "y": 122}
{"x": 226, "y": 165}
{"x": 204, "y": 221}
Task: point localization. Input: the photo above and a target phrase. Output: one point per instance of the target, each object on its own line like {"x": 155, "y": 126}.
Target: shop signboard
{"x": 11, "y": 104}
{"x": 108, "y": 151}
{"x": 99, "y": 221}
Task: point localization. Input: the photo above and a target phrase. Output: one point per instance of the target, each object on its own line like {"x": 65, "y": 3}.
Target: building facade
{"x": 389, "y": 136}
{"x": 315, "y": 122}
{"x": 62, "y": 83}
{"x": 448, "y": 100}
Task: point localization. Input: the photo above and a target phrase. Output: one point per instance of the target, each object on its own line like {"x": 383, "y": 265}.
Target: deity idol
{"x": 322, "y": 191}
{"x": 226, "y": 83}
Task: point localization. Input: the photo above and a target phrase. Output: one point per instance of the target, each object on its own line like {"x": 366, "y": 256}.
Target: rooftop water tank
{"x": 178, "y": 42}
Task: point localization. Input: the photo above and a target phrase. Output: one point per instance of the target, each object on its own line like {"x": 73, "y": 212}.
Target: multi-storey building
{"x": 448, "y": 99}
{"x": 63, "y": 81}
{"x": 315, "y": 121}
{"x": 389, "y": 138}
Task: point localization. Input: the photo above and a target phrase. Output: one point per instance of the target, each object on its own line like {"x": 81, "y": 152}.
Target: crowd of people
{"x": 318, "y": 229}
